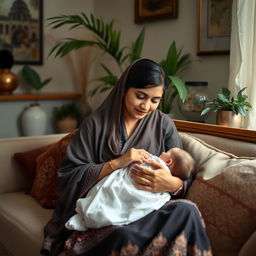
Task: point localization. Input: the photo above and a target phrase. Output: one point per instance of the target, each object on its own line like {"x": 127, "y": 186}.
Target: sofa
{"x": 223, "y": 187}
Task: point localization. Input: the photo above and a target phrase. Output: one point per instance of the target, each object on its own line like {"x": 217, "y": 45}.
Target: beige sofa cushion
{"x": 22, "y": 221}
{"x": 224, "y": 191}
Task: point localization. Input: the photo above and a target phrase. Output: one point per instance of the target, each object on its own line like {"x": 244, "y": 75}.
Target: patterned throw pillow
{"x": 27, "y": 162}
{"x": 227, "y": 203}
{"x": 224, "y": 191}
{"x": 45, "y": 184}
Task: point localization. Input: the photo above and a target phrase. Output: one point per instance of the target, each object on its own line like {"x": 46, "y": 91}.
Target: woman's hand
{"x": 133, "y": 155}
{"x": 158, "y": 180}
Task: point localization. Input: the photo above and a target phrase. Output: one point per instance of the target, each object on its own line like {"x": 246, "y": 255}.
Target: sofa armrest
{"x": 240, "y": 142}
{"x": 12, "y": 179}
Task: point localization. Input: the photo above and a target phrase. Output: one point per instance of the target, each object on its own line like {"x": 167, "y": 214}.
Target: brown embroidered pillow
{"x": 27, "y": 162}
{"x": 228, "y": 206}
{"x": 45, "y": 184}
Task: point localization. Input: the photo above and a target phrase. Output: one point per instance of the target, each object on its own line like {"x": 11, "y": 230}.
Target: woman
{"x": 126, "y": 128}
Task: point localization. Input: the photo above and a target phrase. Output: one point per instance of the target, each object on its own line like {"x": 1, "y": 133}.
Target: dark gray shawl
{"x": 96, "y": 142}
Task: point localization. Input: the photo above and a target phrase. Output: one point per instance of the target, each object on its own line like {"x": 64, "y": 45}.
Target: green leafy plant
{"x": 66, "y": 110}
{"x": 107, "y": 39}
{"x": 32, "y": 77}
{"x": 174, "y": 63}
{"x": 224, "y": 101}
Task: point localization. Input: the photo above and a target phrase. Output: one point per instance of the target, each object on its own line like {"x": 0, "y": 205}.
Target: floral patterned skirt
{"x": 175, "y": 229}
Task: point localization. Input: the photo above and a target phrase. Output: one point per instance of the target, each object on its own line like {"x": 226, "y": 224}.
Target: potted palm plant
{"x": 107, "y": 39}
{"x": 230, "y": 110}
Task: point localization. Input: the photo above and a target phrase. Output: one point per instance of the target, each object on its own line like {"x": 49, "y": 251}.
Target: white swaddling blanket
{"x": 116, "y": 201}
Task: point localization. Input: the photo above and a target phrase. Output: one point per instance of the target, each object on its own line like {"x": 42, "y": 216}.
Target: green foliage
{"x": 174, "y": 63}
{"x": 224, "y": 101}
{"x": 107, "y": 39}
{"x": 66, "y": 110}
{"x": 33, "y": 79}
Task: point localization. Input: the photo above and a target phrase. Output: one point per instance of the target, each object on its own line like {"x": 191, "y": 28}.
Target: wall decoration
{"x": 152, "y": 10}
{"x": 21, "y": 30}
{"x": 214, "y": 26}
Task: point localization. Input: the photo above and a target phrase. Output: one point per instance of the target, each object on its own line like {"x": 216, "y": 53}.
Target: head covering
{"x": 98, "y": 141}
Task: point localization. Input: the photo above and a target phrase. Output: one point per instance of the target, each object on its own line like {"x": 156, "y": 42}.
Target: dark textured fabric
{"x": 175, "y": 229}
{"x": 96, "y": 142}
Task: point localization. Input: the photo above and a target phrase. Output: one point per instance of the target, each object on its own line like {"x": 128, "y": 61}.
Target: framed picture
{"x": 21, "y": 30}
{"x": 152, "y": 10}
{"x": 214, "y": 27}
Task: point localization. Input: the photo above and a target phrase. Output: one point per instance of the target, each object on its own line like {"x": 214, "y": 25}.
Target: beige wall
{"x": 159, "y": 36}
{"x": 58, "y": 69}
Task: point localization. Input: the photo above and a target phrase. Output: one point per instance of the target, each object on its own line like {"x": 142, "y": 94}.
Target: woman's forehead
{"x": 155, "y": 91}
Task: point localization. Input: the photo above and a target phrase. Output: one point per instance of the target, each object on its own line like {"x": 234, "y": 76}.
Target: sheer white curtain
{"x": 243, "y": 54}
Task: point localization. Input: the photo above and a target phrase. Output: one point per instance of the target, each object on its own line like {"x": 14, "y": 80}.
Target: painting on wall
{"x": 152, "y": 10}
{"x": 21, "y": 30}
{"x": 214, "y": 27}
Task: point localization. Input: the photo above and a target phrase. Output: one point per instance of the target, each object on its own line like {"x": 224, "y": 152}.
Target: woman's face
{"x": 140, "y": 102}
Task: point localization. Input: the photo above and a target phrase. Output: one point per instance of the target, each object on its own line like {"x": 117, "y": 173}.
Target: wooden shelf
{"x": 46, "y": 96}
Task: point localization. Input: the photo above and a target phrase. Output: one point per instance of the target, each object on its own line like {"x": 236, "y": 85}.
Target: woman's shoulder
{"x": 92, "y": 120}
{"x": 166, "y": 120}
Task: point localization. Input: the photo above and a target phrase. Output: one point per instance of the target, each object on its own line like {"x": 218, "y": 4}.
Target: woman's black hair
{"x": 146, "y": 73}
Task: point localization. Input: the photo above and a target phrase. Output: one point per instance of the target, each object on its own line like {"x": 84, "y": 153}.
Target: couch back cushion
{"x": 224, "y": 191}
{"x": 27, "y": 162}
{"x": 13, "y": 178}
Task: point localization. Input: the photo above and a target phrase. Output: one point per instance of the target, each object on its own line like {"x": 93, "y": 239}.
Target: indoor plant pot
{"x": 66, "y": 117}
{"x": 229, "y": 118}
{"x": 230, "y": 110}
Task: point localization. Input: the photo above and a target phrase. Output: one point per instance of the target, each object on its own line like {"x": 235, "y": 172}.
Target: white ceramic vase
{"x": 34, "y": 121}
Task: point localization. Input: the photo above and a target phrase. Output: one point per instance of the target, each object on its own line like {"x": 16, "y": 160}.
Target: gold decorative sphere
{"x": 8, "y": 81}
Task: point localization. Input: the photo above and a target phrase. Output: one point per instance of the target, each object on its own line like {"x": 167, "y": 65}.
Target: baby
{"x": 116, "y": 201}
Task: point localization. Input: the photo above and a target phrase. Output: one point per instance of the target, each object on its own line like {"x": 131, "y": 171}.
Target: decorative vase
{"x": 34, "y": 120}
{"x": 229, "y": 118}
{"x": 8, "y": 81}
{"x": 67, "y": 124}
{"x": 195, "y": 101}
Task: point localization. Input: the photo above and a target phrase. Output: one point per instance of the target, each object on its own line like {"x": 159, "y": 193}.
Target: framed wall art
{"x": 214, "y": 27}
{"x": 152, "y": 10}
{"x": 21, "y": 30}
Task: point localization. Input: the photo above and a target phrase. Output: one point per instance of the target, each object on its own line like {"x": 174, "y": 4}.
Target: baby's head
{"x": 179, "y": 161}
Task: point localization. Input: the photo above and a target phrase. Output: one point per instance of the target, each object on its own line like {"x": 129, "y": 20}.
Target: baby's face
{"x": 166, "y": 158}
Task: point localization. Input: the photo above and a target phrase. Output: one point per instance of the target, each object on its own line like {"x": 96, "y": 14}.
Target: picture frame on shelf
{"x": 21, "y": 30}
{"x": 214, "y": 27}
{"x": 152, "y": 10}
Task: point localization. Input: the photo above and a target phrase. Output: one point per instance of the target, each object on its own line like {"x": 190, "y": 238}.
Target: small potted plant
{"x": 66, "y": 117}
{"x": 230, "y": 110}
